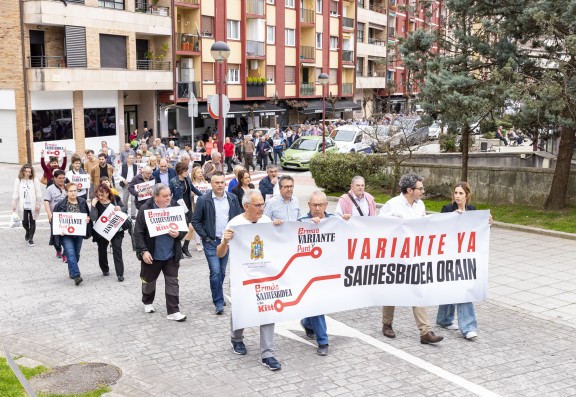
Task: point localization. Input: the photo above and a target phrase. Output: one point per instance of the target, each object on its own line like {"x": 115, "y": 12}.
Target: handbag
{"x": 15, "y": 221}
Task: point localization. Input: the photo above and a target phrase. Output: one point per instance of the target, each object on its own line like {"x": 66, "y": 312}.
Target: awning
{"x": 315, "y": 106}
{"x": 238, "y": 109}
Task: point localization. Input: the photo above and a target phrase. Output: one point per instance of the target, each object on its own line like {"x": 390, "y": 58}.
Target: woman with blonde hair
{"x": 197, "y": 177}
{"x": 26, "y": 200}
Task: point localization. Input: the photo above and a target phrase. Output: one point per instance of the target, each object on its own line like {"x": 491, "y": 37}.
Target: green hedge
{"x": 334, "y": 171}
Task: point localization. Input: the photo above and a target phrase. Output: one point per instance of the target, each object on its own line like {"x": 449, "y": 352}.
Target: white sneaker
{"x": 471, "y": 335}
{"x": 149, "y": 309}
{"x": 176, "y": 317}
{"x": 451, "y": 327}
{"x": 199, "y": 247}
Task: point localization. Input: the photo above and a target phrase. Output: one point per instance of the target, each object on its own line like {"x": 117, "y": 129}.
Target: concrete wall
{"x": 507, "y": 160}
{"x": 496, "y": 185}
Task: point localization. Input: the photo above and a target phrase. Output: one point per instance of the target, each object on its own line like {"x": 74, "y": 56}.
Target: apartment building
{"x": 77, "y": 72}
{"x": 382, "y": 83}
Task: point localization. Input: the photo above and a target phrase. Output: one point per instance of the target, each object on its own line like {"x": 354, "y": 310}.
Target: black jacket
{"x": 61, "y": 207}
{"x": 124, "y": 173}
{"x": 142, "y": 240}
{"x": 453, "y": 207}
{"x": 135, "y": 181}
{"x": 204, "y": 218}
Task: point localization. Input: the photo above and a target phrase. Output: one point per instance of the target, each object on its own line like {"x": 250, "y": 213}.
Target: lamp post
{"x": 323, "y": 78}
{"x": 220, "y": 51}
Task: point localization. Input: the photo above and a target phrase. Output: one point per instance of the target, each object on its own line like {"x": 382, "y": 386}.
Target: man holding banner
{"x": 408, "y": 205}
{"x": 253, "y": 204}
{"x": 79, "y": 177}
{"x": 141, "y": 186}
{"x": 160, "y": 226}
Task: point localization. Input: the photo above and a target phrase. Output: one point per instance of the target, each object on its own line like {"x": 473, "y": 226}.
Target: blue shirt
{"x": 163, "y": 246}
{"x": 165, "y": 178}
{"x": 222, "y": 211}
{"x": 277, "y": 208}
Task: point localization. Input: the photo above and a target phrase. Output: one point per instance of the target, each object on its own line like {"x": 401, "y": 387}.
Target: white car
{"x": 434, "y": 131}
{"x": 353, "y": 138}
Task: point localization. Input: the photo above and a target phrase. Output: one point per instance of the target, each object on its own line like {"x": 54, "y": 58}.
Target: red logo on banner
{"x": 71, "y": 229}
{"x": 103, "y": 219}
{"x": 79, "y": 185}
{"x": 57, "y": 152}
{"x": 173, "y": 226}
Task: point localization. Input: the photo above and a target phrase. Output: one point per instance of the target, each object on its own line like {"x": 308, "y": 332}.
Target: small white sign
{"x": 144, "y": 190}
{"x": 110, "y": 222}
{"x": 164, "y": 220}
{"x": 69, "y": 223}
{"x": 82, "y": 180}
{"x": 54, "y": 149}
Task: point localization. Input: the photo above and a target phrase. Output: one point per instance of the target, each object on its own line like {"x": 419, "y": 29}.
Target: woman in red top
{"x": 228, "y": 154}
{"x": 209, "y": 146}
{"x": 50, "y": 167}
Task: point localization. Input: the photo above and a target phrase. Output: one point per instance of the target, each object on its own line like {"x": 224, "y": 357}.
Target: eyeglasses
{"x": 419, "y": 188}
{"x": 257, "y": 205}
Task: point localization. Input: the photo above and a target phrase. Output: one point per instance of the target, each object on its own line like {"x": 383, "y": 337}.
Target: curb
{"x": 508, "y": 226}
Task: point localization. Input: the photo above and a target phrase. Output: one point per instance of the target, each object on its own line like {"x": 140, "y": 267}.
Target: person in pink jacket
{"x": 356, "y": 202}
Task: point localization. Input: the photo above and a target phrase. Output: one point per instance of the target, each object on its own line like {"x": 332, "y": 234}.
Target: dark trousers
{"x": 116, "y": 253}
{"x": 249, "y": 161}
{"x": 229, "y": 164}
{"x": 29, "y": 224}
{"x": 149, "y": 274}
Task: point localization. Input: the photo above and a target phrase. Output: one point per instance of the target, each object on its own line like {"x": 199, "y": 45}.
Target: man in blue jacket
{"x": 164, "y": 174}
{"x": 267, "y": 185}
{"x": 213, "y": 211}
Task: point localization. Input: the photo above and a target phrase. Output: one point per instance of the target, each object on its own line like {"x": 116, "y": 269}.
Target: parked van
{"x": 353, "y": 138}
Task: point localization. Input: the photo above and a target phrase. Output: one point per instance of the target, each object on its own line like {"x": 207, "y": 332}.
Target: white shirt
{"x": 130, "y": 174}
{"x": 399, "y": 207}
{"x": 222, "y": 210}
{"x": 239, "y": 220}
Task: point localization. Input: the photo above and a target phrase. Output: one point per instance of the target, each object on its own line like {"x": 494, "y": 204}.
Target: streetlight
{"x": 323, "y": 78}
{"x": 220, "y": 51}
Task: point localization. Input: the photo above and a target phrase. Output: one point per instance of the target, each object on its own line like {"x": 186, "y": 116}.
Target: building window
{"x": 360, "y": 32}
{"x": 389, "y": 75}
{"x": 270, "y": 72}
{"x": 233, "y": 75}
{"x": 333, "y": 76}
{"x": 207, "y": 26}
{"x": 270, "y": 1}
{"x": 333, "y": 8}
{"x": 319, "y": 6}
{"x": 319, "y": 41}
{"x": 333, "y": 42}
{"x": 289, "y": 74}
{"x": 99, "y": 122}
{"x": 270, "y": 34}
{"x": 52, "y": 125}
{"x": 113, "y": 51}
{"x": 207, "y": 72}
{"x": 359, "y": 66}
{"x": 289, "y": 3}
{"x": 116, "y": 4}
{"x": 290, "y": 37}
{"x": 233, "y": 29}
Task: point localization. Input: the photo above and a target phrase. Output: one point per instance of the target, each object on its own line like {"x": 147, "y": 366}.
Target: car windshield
{"x": 305, "y": 144}
{"x": 344, "y": 136}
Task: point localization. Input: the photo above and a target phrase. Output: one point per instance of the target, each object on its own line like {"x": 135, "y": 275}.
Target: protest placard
{"x": 110, "y": 222}
{"x": 82, "y": 180}
{"x": 163, "y": 220}
{"x": 301, "y": 269}
{"x": 69, "y": 223}
{"x": 54, "y": 149}
{"x": 144, "y": 189}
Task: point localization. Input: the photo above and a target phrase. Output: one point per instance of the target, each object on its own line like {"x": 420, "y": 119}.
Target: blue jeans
{"x": 72, "y": 246}
{"x": 466, "y": 316}
{"x": 277, "y": 154}
{"x": 318, "y": 324}
{"x": 217, "y": 272}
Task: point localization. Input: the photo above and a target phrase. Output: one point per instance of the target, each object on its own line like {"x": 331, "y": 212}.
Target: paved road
{"x": 525, "y": 347}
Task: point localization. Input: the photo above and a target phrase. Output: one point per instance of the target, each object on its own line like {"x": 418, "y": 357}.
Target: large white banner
{"x": 109, "y": 222}
{"x": 144, "y": 189}
{"x": 69, "y": 223}
{"x": 301, "y": 269}
{"x": 164, "y": 220}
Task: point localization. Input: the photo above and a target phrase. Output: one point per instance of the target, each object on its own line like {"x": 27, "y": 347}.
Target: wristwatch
{"x": 206, "y": 239}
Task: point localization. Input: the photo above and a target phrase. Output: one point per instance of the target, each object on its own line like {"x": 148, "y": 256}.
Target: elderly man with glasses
{"x": 408, "y": 205}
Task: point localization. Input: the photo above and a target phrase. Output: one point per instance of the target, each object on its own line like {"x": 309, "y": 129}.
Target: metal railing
{"x": 347, "y": 56}
{"x": 374, "y": 73}
{"x": 187, "y": 42}
{"x": 347, "y": 88}
{"x": 143, "y": 6}
{"x": 348, "y": 23}
{"x": 150, "y": 64}
{"x": 184, "y": 89}
{"x": 188, "y": 1}
{"x": 377, "y": 7}
{"x": 255, "y": 48}
{"x": 255, "y": 7}
{"x": 255, "y": 90}
{"x": 42, "y": 61}
{"x": 307, "y": 52}
{"x": 306, "y": 15}
{"x": 307, "y": 88}
{"x": 372, "y": 40}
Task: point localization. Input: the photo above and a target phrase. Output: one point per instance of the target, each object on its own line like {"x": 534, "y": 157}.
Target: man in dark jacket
{"x": 159, "y": 254}
{"x": 128, "y": 172}
{"x": 164, "y": 174}
{"x": 213, "y": 211}
{"x": 268, "y": 183}
{"x": 145, "y": 176}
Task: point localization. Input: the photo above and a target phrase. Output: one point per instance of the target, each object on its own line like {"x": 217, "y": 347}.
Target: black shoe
{"x": 186, "y": 252}
{"x": 31, "y": 243}
{"x": 78, "y": 280}
{"x": 271, "y": 363}
{"x": 309, "y": 331}
{"x": 224, "y": 304}
{"x": 105, "y": 273}
{"x": 238, "y": 347}
{"x": 120, "y": 278}
{"x": 219, "y": 311}
{"x": 27, "y": 236}
{"x": 322, "y": 350}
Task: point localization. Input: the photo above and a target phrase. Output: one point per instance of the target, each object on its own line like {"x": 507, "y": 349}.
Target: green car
{"x": 299, "y": 155}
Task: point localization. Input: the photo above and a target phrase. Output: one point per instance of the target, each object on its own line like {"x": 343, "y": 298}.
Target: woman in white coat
{"x": 26, "y": 200}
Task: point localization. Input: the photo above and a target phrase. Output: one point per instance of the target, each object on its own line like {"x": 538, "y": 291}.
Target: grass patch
{"x": 10, "y": 386}
{"x": 562, "y": 221}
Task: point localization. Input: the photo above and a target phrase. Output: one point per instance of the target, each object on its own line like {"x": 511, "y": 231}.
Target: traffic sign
{"x": 213, "y": 106}
{"x": 192, "y": 106}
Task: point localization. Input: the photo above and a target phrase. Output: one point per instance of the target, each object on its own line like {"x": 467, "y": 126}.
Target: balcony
{"x": 255, "y": 48}
{"x": 255, "y": 7}
{"x": 46, "y": 62}
{"x": 255, "y": 90}
{"x": 187, "y": 42}
{"x": 306, "y": 15}
{"x": 186, "y": 3}
{"x": 184, "y": 89}
{"x": 307, "y": 89}
{"x": 369, "y": 82}
{"x": 347, "y": 88}
{"x": 375, "y": 17}
{"x": 375, "y": 41}
{"x": 347, "y": 23}
{"x": 144, "y": 7}
{"x": 347, "y": 56}
{"x": 149, "y": 64}
{"x": 307, "y": 52}
{"x": 377, "y": 7}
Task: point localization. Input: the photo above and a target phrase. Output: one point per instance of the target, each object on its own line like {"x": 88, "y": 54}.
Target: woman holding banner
{"x": 51, "y": 167}
{"x": 466, "y": 316}
{"x": 72, "y": 244}
{"x": 105, "y": 197}
{"x": 76, "y": 169}
{"x": 182, "y": 189}
{"x": 26, "y": 200}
